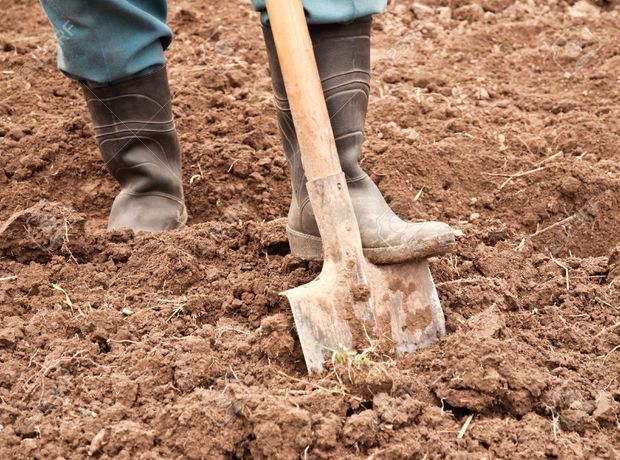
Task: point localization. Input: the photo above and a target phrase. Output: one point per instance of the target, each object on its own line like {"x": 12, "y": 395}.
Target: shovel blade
{"x": 406, "y": 305}
{"x": 398, "y": 305}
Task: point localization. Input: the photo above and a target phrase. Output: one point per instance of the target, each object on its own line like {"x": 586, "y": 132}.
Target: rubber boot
{"x": 135, "y": 131}
{"x": 343, "y": 57}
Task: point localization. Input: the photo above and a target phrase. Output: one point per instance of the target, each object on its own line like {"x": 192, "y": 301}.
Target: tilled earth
{"x": 499, "y": 117}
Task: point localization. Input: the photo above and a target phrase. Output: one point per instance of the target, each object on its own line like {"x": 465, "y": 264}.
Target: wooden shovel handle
{"x": 303, "y": 88}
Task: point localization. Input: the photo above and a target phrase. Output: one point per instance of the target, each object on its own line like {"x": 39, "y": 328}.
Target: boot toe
{"x": 406, "y": 241}
{"x": 434, "y": 230}
{"x": 147, "y": 213}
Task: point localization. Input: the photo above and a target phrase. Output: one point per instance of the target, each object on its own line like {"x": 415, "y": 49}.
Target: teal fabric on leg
{"x": 108, "y": 41}
{"x": 332, "y": 11}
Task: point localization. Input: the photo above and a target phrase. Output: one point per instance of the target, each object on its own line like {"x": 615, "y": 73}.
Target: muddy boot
{"x": 135, "y": 132}
{"x": 343, "y": 57}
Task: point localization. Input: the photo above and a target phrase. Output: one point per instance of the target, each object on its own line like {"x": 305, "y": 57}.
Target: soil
{"x": 498, "y": 117}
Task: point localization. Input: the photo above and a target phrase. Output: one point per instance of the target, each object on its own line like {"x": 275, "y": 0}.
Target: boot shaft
{"x": 135, "y": 131}
{"x": 342, "y": 52}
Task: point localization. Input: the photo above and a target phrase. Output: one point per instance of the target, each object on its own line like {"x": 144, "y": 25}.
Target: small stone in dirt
{"x": 482, "y": 94}
{"x": 421, "y": 9}
{"x": 411, "y": 135}
{"x": 99, "y": 440}
{"x": 583, "y": 9}
{"x": 573, "y": 49}
{"x": 606, "y": 409}
{"x": 127, "y": 311}
{"x": 391, "y": 131}
{"x": 445, "y": 13}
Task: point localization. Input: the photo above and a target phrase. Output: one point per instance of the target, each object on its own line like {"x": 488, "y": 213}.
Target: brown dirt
{"x": 177, "y": 345}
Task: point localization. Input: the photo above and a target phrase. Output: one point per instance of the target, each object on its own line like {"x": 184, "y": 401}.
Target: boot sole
{"x": 309, "y": 247}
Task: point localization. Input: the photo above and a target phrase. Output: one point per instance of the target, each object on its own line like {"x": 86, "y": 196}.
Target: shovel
{"x": 353, "y": 304}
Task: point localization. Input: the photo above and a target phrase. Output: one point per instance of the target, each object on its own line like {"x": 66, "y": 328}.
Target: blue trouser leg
{"x": 332, "y": 11}
{"x": 107, "y": 41}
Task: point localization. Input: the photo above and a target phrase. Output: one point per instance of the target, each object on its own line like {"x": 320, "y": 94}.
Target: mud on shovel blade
{"x": 334, "y": 311}
{"x": 406, "y": 305}
{"x": 352, "y": 303}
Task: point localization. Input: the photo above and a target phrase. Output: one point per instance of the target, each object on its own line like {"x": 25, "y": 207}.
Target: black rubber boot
{"x": 135, "y": 132}
{"x": 343, "y": 57}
